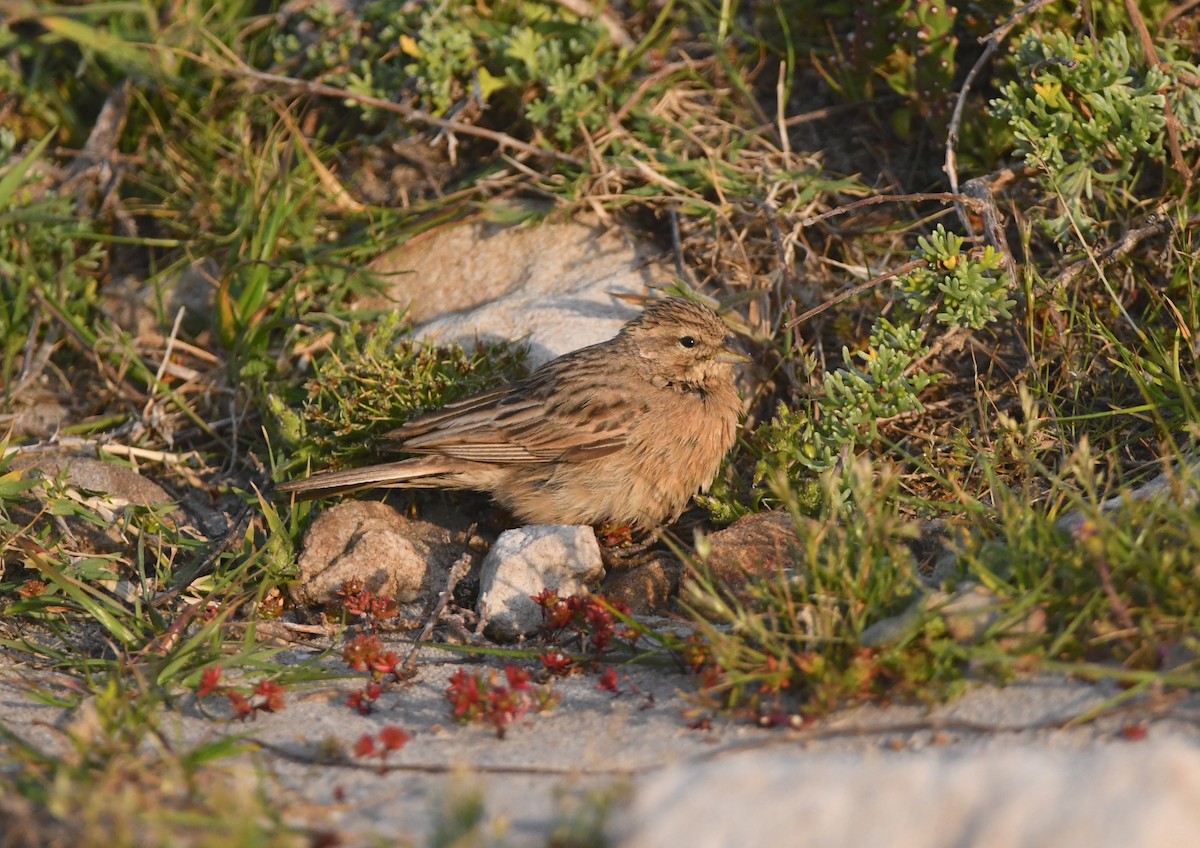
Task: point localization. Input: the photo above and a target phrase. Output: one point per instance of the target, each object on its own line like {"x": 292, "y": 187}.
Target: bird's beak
{"x": 733, "y": 357}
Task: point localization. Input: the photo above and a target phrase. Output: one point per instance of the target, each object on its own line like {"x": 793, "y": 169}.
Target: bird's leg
{"x": 621, "y": 551}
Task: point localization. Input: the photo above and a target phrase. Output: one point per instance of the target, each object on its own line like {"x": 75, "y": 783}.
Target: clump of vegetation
{"x": 1117, "y": 585}
{"x": 948, "y": 292}
{"x": 551, "y": 68}
{"x": 1066, "y": 594}
{"x": 117, "y": 779}
{"x": 47, "y": 260}
{"x": 370, "y": 382}
{"x": 482, "y": 696}
{"x": 589, "y": 623}
{"x": 1088, "y": 114}
{"x": 912, "y": 48}
{"x": 806, "y": 632}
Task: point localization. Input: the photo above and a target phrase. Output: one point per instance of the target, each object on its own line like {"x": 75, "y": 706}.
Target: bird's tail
{"x": 418, "y": 472}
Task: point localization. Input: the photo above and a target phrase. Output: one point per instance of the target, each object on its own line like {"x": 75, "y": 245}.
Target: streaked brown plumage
{"x": 623, "y": 432}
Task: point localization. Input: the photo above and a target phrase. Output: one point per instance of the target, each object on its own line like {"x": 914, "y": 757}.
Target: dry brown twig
{"x": 342, "y": 201}
{"x": 1152, "y": 57}
{"x": 79, "y": 444}
{"x": 34, "y": 356}
{"x": 1157, "y": 224}
{"x": 849, "y": 293}
{"x": 991, "y": 43}
{"x": 457, "y": 572}
{"x": 980, "y": 190}
{"x": 1177, "y": 12}
{"x": 923, "y": 197}
{"x": 148, "y": 419}
{"x": 92, "y": 175}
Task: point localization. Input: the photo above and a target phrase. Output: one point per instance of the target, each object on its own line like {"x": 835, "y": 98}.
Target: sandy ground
{"x": 999, "y": 766}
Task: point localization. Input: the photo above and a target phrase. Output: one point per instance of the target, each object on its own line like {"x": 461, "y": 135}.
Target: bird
{"x": 619, "y": 434}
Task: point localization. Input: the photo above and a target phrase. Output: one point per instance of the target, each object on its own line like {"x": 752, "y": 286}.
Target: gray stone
{"x": 969, "y": 613}
{"x": 146, "y": 310}
{"x": 973, "y": 610}
{"x": 110, "y": 479}
{"x": 528, "y": 560}
{"x": 1121, "y": 794}
{"x": 892, "y": 631}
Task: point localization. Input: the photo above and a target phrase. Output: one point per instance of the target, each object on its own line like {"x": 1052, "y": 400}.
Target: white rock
{"x": 525, "y": 561}
{"x": 550, "y": 325}
{"x": 548, "y": 283}
{"x": 1124, "y": 795}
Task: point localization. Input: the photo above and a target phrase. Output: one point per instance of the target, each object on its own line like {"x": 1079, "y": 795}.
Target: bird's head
{"x": 682, "y": 343}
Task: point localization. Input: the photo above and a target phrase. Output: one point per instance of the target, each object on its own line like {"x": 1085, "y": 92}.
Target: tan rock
{"x": 753, "y": 545}
{"x": 647, "y": 588}
{"x": 374, "y": 544}
{"x": 107, "y": 489}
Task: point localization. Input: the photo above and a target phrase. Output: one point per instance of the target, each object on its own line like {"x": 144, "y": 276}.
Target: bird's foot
{"x": 621, "y": 551}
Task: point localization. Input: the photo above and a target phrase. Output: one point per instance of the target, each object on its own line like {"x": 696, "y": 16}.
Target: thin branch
{"x": 1177, "y": 12}
{"x": 1158, "y": 224}
{"x": 785, "y": 142}
{"x": 162, "y": 370}
{"x": 980, "y": 190}
{"x": 34, "y": 357}
{"x": 1119, "y": 607}
{"x": 849, "y": 293}
{"x": 409, "y": 113}
{"x": 644, "y": 88}
{"x": 951, "y": 163}
{"x": 924, "y": 197}
{"x": 1151, "y": 54}
{"x": 342, "y": 201}
{"x": 98, "y": 448}
{"x": 457, "y": 572}
{"x": 991, "y": 43}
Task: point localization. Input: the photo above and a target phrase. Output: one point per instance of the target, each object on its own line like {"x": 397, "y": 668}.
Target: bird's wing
{"x": 478, "y": 405}
{"x": 552, "y": 416}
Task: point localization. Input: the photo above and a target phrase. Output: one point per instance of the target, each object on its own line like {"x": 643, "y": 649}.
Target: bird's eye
{"x": 687, "y": 341}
